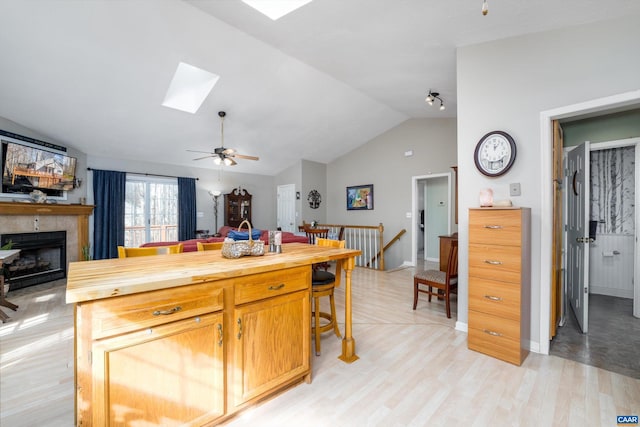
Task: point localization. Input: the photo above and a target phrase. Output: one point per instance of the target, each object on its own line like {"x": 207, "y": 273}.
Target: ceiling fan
{"x": 222, "y": 155}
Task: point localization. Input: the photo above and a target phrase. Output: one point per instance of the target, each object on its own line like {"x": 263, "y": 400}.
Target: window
{"x": 151, "y": 210}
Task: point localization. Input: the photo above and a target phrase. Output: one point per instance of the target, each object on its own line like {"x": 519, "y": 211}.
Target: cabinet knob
{"x": 492, "y": 262}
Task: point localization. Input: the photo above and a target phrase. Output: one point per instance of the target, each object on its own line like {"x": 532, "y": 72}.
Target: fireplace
{"x": 43, "y": 258}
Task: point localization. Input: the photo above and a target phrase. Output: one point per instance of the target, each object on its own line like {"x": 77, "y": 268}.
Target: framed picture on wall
{"x": 360, "y": 197}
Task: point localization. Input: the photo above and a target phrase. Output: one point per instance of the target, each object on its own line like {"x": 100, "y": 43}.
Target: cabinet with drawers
{"x": 499, "y": 282}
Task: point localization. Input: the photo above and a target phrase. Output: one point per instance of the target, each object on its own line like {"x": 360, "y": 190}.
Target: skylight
{"x": 189, "y": 87}
{"x": 275, "y": 9}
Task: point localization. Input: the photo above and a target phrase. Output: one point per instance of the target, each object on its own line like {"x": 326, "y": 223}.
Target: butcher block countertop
{"x": 93, "y": 280}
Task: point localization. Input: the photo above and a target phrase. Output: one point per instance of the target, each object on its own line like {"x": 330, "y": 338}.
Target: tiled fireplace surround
{"x": 74, "y": 219}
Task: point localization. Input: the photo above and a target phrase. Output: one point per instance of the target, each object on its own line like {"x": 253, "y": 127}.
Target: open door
{"x": 578, "y": 233}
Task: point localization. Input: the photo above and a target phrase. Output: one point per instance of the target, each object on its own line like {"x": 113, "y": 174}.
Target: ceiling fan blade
{"x": 195, "y": 151}
{"x": 242, "y": 156}
{"x": 233, "y": 162}
{"x": 228, "y": 151}
{"x": 205, "y": 157}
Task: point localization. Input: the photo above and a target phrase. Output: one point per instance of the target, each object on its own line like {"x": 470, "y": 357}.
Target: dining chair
{"x": 315, "y": 233}
{"x": 323, "y": 284}
{"x": 439, "y": 283}
{"x": 124, "y": 252}
{"x": 212, "y": 246}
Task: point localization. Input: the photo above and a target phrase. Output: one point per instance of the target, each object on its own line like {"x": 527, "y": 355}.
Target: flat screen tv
{"x": 26, "y": 168}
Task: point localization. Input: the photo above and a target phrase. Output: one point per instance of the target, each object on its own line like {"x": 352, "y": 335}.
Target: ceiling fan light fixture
{"x": 217, "y": 161}
{"x": 442, "y": 107}
{"x": 228, "y": 162}
{"x": 485, "y": 8}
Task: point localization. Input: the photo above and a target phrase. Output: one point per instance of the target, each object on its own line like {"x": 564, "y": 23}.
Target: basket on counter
{"x": 238, "y": 248}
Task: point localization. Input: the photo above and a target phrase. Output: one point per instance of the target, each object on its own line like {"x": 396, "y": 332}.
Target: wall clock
{"x": 495, "y": 153}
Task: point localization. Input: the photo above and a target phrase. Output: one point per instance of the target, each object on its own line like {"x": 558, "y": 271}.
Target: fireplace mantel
{"x": 82, "y": 212}
{"x": 17, "y": 208}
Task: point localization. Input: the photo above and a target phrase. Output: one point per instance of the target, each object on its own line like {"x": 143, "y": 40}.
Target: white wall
{"x": 505, "y": 85}
{"x": 381, "y": 162}
{"x": 314, "y": 177}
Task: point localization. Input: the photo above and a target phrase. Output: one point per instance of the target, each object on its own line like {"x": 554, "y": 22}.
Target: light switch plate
{"x": 514, "y": 189}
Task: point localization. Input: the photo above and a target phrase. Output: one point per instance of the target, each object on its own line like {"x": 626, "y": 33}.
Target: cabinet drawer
{"x": 501, "y": 263}
{"x": 132, "y": 312}
{"x": 273, "y": 283}
{"x": 495, "y": 227}
{"x": 495, "y": 336}
{"x": 492, "y": 297}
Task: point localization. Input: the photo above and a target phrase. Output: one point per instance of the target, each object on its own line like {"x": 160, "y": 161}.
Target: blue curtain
{"x": 108, "y": 232}
{"x": 186, "y": 208}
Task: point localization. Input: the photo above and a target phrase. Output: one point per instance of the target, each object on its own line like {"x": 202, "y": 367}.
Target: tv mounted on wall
{"x": 27, "y": 167}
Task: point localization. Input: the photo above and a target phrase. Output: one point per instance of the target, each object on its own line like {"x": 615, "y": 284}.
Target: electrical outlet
{"x": 514, "y": 189}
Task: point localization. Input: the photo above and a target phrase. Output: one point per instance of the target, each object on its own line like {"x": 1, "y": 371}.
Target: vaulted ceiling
{"x": 314, "y": 84}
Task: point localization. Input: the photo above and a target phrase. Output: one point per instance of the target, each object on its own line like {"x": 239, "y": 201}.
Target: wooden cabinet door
{"x": 169, "y": 375}
{"x": 271, "y": 344}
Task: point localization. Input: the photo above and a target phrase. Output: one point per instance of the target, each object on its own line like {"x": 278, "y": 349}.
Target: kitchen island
{"x": 193, "y": 338}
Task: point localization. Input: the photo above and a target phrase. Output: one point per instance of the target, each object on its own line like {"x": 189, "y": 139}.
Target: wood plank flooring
{"x": 414, "y": 370}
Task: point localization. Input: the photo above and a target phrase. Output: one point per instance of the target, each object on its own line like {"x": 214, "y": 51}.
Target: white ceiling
{"x": 314, "y": 84}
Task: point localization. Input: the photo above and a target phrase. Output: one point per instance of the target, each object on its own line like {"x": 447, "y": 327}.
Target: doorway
{"x": 286, "y": 207}
{"x": 603, "y": 332}
{"x": 620, "y": 102}
{"x": 431, "y": 202}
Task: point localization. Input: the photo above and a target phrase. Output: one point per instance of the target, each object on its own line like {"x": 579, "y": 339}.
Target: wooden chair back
{"x": 152, "y": 250}
{"x": 333, "y": 244}
{"x": 452, "y": 270}
{"x": 315, "y": 233}
{"x": 213, "y": 246}
{"x": 436, "y": 280}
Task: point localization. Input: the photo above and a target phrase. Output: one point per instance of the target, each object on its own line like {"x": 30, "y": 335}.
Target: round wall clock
{"x": 495, "y": 153}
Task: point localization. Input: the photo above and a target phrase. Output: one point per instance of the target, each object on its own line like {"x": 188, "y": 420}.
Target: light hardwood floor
{"x": 414, "y": 370}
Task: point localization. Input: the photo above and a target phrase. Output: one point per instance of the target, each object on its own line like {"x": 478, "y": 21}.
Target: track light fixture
{"x": 432, "y": 97}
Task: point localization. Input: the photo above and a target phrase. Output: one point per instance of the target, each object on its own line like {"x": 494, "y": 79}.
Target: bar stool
{"x": 323, "y": 284}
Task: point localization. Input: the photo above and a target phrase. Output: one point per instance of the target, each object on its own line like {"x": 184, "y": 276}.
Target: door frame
{"x": 597, "y": 107}
{"x": 415, "y": 210}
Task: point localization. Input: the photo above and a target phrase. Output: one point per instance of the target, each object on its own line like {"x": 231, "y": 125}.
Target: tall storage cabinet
{"x": 237, "y": 207}
{"x": 500, "y": 282}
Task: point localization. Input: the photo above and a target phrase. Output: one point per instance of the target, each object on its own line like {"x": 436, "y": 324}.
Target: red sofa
{"x": 192, "y": 245}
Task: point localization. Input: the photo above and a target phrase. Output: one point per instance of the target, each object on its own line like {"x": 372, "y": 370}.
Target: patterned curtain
{"x": 109, "y": 195}
{"x": 613, "y": 190}
{"x": 186, "y": 208}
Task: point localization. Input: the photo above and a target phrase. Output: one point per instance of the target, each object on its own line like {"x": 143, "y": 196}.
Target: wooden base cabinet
{"x": 192, "y": 355}
{"x": 499, "y": 282}
{"x": 271, "y": 348}
{"x": 175, "y": 371}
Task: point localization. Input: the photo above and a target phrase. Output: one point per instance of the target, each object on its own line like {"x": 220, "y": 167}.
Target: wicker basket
{"x": 238, "y": 248}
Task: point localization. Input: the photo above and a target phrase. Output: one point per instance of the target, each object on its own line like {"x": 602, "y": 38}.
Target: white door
{"x": 286, "y": 207}
{"x": 578, "y": 233}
